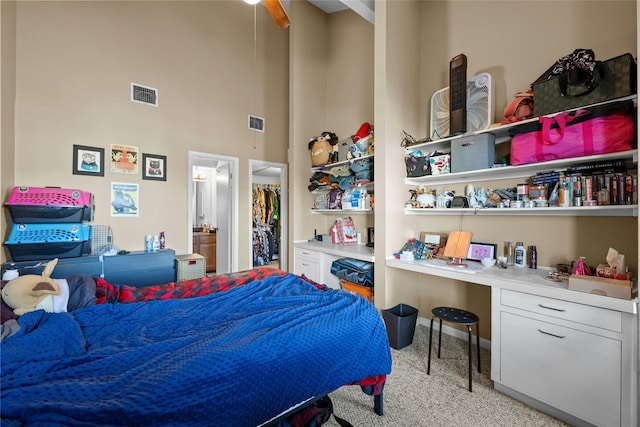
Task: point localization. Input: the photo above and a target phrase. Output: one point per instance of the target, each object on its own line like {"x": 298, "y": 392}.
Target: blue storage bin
{"x": 28, "y": 242}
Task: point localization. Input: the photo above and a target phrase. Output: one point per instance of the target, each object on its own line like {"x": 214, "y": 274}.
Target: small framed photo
{"x": 154, "y": 167}
{"x": 477, "y": 251}
{"x": 88, "y": 160}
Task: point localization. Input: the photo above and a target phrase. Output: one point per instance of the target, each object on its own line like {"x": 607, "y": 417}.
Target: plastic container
{"x": 30, "y": 242}
{"x": 400, "y": 322}
{"x": 37, "y": 205}
{"x": 520, "y": 255}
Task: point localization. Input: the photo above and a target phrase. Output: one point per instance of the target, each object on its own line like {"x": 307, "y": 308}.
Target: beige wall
{"x": 74, "y": 65}
{"x": 7, "y": 101}
{"x": 331, "y": 90}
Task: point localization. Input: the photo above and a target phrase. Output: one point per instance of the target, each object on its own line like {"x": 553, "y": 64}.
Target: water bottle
{"x": 156, "y": 243}
{"x": 521, "y": 255}
{"x": 148, "y": 243}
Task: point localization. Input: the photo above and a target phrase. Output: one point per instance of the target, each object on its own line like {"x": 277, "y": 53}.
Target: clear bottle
{"x": 508, "y": 252}
{"x": 156, "y": 243}
{"x": 520, "y": 255}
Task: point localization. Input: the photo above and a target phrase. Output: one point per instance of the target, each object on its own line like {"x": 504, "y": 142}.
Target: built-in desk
{"x": 314, "y": 258}
{"x": 568, "y": 353}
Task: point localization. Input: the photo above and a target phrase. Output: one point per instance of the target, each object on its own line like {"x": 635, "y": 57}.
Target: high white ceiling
{"x": 364, "y": 8}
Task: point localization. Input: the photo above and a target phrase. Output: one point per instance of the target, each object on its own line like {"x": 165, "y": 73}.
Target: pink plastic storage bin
{"x": 36, "y": 205}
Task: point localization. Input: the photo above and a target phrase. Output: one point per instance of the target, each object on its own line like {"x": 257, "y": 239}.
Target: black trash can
{"x": 401, "y": 325}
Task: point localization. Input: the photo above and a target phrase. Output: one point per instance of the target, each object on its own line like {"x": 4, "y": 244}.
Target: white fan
{"x": 480, "y": 106}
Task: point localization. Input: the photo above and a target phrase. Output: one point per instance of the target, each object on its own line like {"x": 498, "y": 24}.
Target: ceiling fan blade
{"x": 277, "y": 12}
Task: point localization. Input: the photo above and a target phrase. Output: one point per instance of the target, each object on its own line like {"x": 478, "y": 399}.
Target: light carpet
{"x": 413, "y": 398}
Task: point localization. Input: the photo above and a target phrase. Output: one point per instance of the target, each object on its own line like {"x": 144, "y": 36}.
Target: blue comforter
{"x": 234, "y": 358}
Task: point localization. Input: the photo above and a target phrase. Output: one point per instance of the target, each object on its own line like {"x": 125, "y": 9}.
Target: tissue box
{"x": 440, "y": 164}
{"x": 601, "y": 286}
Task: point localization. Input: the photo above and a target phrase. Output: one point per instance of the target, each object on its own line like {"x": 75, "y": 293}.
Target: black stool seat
{"x": 455, "y": 315}
{"x": 461, "y": 317}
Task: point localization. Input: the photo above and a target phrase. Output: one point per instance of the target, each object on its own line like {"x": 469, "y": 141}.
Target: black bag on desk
{"x": 576, "y": 86}
{"x": 353, "y": 270}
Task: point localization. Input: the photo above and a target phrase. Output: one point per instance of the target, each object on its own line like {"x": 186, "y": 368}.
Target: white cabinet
{"x": 313, "y": 259}
{"x": 307, "y": 263}
{"x": 316, "y": 266}
{"x": 572, "y": 357}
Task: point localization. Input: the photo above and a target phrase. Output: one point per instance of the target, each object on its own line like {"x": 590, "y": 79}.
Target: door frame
{"x": 227, "y": 244}
{"x": 283, "y": 207}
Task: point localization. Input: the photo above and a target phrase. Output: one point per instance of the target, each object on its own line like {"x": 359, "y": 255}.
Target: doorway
{"x": 213, "y": 199}
{"x": 272, "y": 176}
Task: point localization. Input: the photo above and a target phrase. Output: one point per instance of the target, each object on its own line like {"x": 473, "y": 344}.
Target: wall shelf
{"x": 501, "y": 132}
{"x": 512, "y": 172}
{"x": 342, "y": 211}
{"x": 611, "y": 210}
{"x": 340, "y": 163}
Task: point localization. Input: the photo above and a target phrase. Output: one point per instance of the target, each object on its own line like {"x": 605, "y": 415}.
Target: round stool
{"x": 461, "y": 317}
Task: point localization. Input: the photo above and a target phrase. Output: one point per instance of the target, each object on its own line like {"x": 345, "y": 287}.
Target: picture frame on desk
{"x": 478, "y": 250}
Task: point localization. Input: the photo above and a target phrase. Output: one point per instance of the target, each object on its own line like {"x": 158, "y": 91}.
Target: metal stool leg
{"x": 470, "y": 370}
{"x": 429, "y": 358}
{"x": 478, "y": 343}
{"x": 440, "y": 339}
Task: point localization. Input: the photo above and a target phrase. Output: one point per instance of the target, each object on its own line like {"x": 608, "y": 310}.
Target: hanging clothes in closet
{"x": 266, "y": 230}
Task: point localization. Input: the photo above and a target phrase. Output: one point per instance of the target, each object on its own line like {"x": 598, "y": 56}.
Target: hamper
{"x": 190, "y": 267}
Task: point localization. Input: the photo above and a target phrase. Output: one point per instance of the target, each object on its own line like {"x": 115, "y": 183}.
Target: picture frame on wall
{"x": 88, "y": 160}
{"x": 154, "y": 167}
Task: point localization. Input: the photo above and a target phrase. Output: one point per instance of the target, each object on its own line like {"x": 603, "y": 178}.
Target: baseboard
{"x": 534, "y": 403}
{"x": 484, "y": 343}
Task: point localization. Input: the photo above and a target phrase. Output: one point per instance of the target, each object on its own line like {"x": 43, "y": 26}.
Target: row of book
{"x": 592, "y": 184}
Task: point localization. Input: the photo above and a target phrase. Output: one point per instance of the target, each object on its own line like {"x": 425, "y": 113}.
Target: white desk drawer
{"x": 579, "y": 313}
{"x": 575, "y": 371}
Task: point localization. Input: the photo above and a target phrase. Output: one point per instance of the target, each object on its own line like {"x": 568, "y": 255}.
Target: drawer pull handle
{"x": 553, "y": 335}
{"x": 551, "y": 308}
{"x": 305, "y": 264}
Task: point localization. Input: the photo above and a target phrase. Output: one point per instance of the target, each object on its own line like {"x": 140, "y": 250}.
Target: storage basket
{"x": 36, "y": 205}
{"x": 355, "y": 289}
{"x": 190, "y": 267}
{"x": 29, "y": 242}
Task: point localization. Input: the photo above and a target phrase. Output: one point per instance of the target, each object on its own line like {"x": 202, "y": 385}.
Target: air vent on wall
{"x": 256, "y": 123}
{"x": 144, "y": 94}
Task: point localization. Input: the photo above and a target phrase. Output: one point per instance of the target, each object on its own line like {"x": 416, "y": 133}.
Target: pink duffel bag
{"x": 606, "y": 129}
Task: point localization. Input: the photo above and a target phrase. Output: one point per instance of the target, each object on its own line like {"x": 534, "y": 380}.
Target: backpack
{"x": 313, "y": 415}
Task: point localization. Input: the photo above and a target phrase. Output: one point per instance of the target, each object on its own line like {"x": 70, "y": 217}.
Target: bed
{"x": 234, "y": 350}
